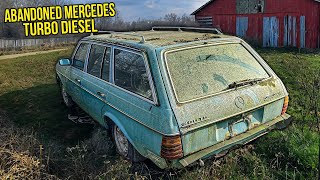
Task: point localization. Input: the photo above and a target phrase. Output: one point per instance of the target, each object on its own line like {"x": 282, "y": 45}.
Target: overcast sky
{"x": 151, "y": 9}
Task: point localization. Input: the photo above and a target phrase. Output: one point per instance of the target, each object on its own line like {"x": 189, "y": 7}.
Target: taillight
{"x": 285, "y": 105}
{"x": 171, "y": 147}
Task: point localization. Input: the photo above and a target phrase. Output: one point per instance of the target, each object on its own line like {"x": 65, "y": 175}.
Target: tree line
{"x": 118, "y": 24}
{"x": 16, "y": 30}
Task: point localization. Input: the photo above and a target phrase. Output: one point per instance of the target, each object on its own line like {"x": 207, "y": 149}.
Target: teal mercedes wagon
{"x": 175, "y": 96}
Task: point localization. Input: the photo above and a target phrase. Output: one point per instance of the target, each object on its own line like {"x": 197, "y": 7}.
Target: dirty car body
{"x": 193, "y": 95}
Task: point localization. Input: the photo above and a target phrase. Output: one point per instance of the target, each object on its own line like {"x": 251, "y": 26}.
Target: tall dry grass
{"x": 21, "y": 154}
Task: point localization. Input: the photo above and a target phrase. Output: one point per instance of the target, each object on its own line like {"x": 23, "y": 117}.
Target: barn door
{"x": 270, "y": 31}
{"x": 242, "y": 26}
{"x": 302, "y": 31}
{"x": 290, "y": 31}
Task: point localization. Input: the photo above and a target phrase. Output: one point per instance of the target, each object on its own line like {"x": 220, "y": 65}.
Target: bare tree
{"x": 118, "y": 24}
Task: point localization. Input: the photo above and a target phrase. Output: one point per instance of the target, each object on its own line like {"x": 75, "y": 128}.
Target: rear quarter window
{"x": 131, "y": 74}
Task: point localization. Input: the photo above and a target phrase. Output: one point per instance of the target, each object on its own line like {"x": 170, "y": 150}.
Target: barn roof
{"x": 196, "y": 11}
{"x": 203, "y": 6}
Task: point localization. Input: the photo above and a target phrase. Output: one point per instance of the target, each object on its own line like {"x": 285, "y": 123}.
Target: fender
{"x": 116, "y": 121}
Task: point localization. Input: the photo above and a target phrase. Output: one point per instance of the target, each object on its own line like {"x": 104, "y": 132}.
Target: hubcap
{"x": 121, "y": 142}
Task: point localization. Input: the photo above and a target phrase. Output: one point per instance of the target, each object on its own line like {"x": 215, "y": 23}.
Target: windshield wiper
{"x": 237, "y": 84}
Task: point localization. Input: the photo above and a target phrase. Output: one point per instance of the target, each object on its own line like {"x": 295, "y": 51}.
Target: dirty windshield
{"x": 203, "y": 71}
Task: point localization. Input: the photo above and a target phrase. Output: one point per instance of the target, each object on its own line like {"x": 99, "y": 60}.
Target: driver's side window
{"x": 80, "y": 56}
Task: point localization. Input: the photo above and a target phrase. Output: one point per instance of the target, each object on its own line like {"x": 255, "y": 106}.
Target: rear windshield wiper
{"x": 237, "y": 84}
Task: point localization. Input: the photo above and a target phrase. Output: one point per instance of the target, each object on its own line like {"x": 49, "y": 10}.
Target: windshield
{"x": 203, "y": 71}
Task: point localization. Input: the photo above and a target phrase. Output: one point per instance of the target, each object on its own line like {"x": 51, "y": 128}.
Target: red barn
{"x": 271, "y": 23}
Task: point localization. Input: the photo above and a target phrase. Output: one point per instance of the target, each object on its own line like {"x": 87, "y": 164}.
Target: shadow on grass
{"x": 89, "y": 153}
{"x": 41, "y": 109}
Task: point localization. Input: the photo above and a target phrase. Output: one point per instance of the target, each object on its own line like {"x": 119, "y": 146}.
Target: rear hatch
{"x": 221, "y": 90}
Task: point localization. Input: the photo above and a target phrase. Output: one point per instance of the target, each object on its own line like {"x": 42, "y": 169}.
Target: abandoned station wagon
{"x": 174, "y": 95}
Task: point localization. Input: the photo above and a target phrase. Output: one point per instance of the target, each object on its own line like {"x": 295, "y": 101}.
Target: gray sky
{"x": 151, "y": 9}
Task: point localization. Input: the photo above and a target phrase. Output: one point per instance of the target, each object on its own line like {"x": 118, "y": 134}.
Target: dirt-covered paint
{"x": 203, "y": 123}
{"x": 157, "y": 38}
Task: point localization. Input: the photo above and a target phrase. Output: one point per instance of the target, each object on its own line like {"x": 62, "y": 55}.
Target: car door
{"x": 96, "y": 80}
{"x": 76, "y": 73}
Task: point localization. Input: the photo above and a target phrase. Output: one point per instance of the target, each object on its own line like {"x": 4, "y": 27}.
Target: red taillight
{"x": 285, "y": 105}
{"x": 171, "y": 147}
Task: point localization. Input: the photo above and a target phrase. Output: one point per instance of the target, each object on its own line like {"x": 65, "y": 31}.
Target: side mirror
{"x": 64, "y": 62}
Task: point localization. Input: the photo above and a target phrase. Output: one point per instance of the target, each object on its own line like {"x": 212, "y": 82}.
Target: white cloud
{"x": 150, "y": 4}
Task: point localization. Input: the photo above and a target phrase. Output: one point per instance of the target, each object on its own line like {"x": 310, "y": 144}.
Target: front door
{"x": 76, "y": 73}
{"x": 96, "y": 81}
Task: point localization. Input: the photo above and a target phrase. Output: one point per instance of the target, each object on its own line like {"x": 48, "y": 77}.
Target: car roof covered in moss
{"x": 155, "y": 39}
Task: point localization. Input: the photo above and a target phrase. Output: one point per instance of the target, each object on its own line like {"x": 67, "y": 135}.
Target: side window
{"x": 80, "y": 57}
{"x": 106, "y": 65}
{"x": 95, "y": 60}
{"x": 130, "y": 73}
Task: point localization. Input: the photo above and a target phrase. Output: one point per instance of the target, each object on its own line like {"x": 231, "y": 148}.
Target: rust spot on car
{"x": 269, "y": 82}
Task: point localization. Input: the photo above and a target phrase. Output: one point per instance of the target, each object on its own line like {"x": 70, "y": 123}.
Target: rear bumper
{"x": 280, "y": 122}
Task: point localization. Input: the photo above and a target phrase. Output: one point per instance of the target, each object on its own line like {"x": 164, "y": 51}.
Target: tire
{"x": 67, "y": 100}
{"x": 124, "y": 147}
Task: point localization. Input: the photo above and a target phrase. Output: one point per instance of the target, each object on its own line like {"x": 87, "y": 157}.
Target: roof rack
{"x": 112, "y": 33}
{"x": 192, "y": 29}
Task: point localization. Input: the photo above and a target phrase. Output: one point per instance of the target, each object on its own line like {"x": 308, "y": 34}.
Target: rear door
{"x": 96, "y": 81}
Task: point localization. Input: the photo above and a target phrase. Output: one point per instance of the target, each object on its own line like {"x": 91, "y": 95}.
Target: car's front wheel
{"x": 124, "y": 147}
{"x": 67, "y": 100}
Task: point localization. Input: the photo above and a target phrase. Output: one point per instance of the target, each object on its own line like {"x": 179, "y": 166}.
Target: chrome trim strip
{"x": 111, "y": 78}
{"x": 205, "y": 45}
{"x": 138, "y": 121}
{"x": 115, "y": 86}
{"x": 111, "y": 43}
{"x": 241, "y": 138}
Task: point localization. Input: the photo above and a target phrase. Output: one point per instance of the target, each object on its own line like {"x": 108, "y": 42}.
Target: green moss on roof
{"x": 158, "y": 38}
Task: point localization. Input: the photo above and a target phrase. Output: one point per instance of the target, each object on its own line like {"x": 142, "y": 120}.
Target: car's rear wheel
{"x": 67, "y": 100}
{"x": 124, "y": 147}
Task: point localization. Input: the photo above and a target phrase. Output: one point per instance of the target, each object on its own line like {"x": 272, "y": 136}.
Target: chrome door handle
{"x": 101, "y": 94}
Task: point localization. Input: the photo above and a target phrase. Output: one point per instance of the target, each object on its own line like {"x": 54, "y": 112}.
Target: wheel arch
{"x": 111, "y": 120}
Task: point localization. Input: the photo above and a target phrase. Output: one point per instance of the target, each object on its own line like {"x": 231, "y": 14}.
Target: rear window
{"x": 203, "y": 71}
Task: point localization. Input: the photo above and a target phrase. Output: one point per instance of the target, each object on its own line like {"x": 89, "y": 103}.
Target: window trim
{"x": 75, "y": 52}
{"x": 155, "y": 100}
{"x": 164, "y": 56}
{"x": 102, "y": 62}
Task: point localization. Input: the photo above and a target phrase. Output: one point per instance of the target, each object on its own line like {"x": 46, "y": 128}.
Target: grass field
{"x": 37, "y": 138}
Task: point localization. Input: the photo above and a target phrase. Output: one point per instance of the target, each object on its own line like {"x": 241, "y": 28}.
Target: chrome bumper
{"x": 280, "y": 122}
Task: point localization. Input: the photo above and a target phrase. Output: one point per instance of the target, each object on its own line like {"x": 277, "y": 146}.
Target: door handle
{"x": 78, "y": 81}
{"x": 101, "y": 94}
